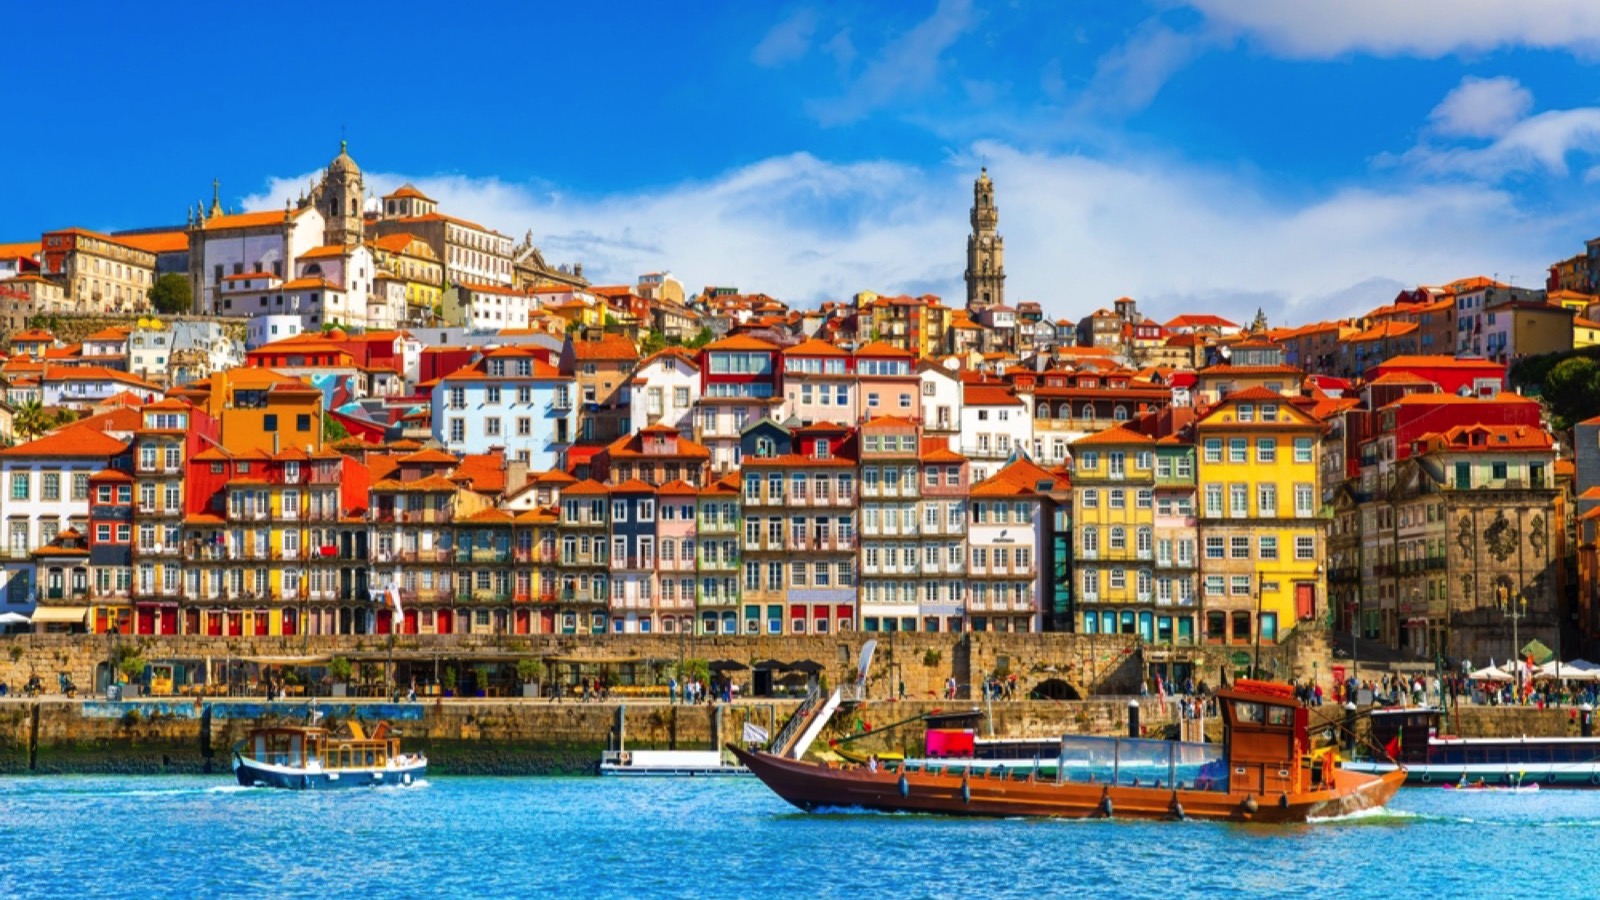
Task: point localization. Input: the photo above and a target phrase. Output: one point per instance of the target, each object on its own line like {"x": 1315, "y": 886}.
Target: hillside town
{"x": 369, "y": 416}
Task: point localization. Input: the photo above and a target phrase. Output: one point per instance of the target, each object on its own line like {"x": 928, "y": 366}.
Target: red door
{"x": 446, "y": 622}
{"x": 409, "y": 626}
{"x": 145, "y": 621}
{"x": 1305, "y": 600}
{"x": 385, "y": 620}
{"x": 169, "y": 622}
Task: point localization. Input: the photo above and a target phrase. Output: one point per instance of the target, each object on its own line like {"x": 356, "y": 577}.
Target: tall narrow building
{"x": 986, "y": 250}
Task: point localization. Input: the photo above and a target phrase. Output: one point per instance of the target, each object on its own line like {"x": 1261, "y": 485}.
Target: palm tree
{"x": 31, "y": 420}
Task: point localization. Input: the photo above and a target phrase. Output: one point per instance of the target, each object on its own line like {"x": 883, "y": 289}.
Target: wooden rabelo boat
{"x": 310, "y": 758}
{"x": 1263, "y": 771}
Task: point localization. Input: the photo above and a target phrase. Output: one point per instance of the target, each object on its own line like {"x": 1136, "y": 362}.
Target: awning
{"x": 77, "y": 615}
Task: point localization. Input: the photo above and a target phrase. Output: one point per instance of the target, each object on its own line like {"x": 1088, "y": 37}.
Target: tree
{"x": 171, "y": 295}
{"x": 652, "y": 342}
{"x": 31, "y": 420}
{"x": 1572, "y": 390}
{"x": 333, "y": 430}
{"x": 701, "y": 338}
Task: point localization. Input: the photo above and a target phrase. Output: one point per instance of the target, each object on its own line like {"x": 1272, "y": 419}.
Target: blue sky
{"x": 1208, "y": 155}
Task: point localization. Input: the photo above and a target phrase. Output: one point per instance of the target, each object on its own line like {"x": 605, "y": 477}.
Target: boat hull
{"x": 254, "y": 774}
{"x": 813, "y": 786}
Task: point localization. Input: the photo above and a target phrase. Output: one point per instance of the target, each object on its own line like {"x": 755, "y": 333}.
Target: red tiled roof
{"x": 74, "y": 441}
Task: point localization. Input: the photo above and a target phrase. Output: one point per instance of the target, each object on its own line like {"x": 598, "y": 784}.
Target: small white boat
{"x": 668, "y": 763}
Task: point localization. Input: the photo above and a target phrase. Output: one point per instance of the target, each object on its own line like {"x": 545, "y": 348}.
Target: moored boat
{"x": 1262, "y": 772}
{"x": 310, "y": 758}
{"x": 1414, "y": 742}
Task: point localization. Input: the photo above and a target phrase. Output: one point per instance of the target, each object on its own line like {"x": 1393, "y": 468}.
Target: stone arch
{"x": 1056, "y": 689}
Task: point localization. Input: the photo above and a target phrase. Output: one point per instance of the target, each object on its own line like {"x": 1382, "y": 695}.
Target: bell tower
{"x": 986, "y": 250}
{"x": 340, "y": 200}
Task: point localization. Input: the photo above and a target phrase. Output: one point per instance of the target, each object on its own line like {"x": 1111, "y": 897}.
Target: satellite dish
{"x": 1225, "y": 351}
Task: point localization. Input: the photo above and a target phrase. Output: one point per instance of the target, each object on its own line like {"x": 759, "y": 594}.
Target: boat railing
{"x": 791, "y": 729}
{"x": 1110, "y": 761}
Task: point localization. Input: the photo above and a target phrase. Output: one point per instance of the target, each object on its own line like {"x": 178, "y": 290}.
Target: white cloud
{"x": 1481, "y": 107}
{"x": 1079, "y": 232}
{"x": 906, "y": 65}
{"x": 1130, "y": 75}
{"x": 1319, "y": 29}
{"x": 1540, "y": 143}
{"x": 787, "y": 41}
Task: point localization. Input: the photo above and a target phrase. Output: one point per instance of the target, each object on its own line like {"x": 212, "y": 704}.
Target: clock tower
{"x": 986, "y": 250}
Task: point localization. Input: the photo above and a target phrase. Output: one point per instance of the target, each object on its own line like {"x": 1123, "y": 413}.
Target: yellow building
{"x": 413, "y": 261}
{"x": 1113, "y": 481}
{"x": 1585, "y": 333}
{"x": 1261, "y": 536}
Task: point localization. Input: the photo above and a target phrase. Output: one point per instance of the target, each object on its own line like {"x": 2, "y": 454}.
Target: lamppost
{"x": 1513, "y": 608}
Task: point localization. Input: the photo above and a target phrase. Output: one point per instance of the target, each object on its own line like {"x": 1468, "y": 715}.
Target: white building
{"x": 509, "y": 398}
{"x": 88, "y": 385}
{"x": 263, "y": 330}
{"x": 994, "y": 422}
{"x": 265, "y": 242}
{"x": 941, "y": 400}
{"x": 494, "y": 306}
{"x": 664, "y": 390}
{"x": 45, "y": 491}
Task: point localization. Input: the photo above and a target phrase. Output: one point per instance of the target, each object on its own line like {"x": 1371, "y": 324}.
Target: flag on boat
{"x": 1393, "y": 748}
{"x": 754, "y": 734}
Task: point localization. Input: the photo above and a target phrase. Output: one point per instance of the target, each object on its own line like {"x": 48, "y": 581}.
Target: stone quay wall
{"x": 1085, "y": 665}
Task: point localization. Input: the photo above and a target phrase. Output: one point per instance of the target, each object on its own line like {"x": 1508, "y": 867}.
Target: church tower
{"x": 986, "y": 250}
{"x": 340, "y": 198}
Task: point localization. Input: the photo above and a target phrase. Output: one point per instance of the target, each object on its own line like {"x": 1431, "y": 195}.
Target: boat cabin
{"x": 1407, "y": 730}
{"x": 1266, "y": 738}
{"x": 311, "y": 747}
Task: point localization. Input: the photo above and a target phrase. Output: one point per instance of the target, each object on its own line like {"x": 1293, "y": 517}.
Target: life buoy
{"x": 1427, "y": 778}
{"x": 625, "y": 758}
{"x": 1595, "y": 779}
{"x": 1105, "y": 806}
{"x": 1177, "y": 810}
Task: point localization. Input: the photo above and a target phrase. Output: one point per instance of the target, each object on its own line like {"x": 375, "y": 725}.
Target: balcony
{"x": 575, "y": 595}
{"x": 412, "y": 556}
{"x": 481, "y": 556}
{"x": 249, "y": 514}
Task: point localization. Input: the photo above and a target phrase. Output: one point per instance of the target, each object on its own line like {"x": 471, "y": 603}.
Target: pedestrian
{"x": 672, "y": 689}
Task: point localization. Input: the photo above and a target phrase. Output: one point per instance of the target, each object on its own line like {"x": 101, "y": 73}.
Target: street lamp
{"x": 1513, "y": 608}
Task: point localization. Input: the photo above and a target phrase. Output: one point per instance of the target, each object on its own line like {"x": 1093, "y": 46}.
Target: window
{"x": 1118, "y": 499}
{"x": 1119, "y": 538}
{"x": 491, "y": 426}
{"x": 1304, "y": 501}
{"x": 1213, "y": 500}
{"x": 1214, "y": 548}
{"x": 1238, "y": 500}
{"x": 458, "y": 430}
{"x": 1305, "y": 548}
{"x": 1269, "y": 546}
{"x": 1238, "y": 450}
{"x": 1118, "y": 580}
{"x": 1302, "y": 450}
{"x": 1213, "y": 450}
{"x": 1266, "y": 450}
{"x": 50, "y": 488}
{"x": 1091, "y": 498}
{"x": 269, "y": 422}
{"x": 80, "y": 486}
{"x": 1144, "y": 498}
{"x": 1239, "y": 547}
{"x": 1239, "y": 585}
{"x": 1214, "y": 585}
{"x": 1266, "y": 500}
{"x": 19, "y": 485}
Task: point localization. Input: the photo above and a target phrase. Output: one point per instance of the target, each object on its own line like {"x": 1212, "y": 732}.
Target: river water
{"x": 82, "y": 837}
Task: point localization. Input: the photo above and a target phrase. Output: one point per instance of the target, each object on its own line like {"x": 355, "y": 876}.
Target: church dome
{"x": 343, "y": 162}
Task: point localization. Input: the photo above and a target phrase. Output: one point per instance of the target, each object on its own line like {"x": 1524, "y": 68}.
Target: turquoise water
{"x": 84, "y": 837}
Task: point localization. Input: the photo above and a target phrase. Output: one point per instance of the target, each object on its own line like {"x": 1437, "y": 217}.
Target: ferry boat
{"x": 1428, "y": 757}
{"x": 1263, "y": 771}
{"x": 309, "y": 758}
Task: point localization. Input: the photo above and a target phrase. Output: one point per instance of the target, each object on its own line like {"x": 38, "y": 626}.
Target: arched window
{"x": 354, "y": 210}
{"x": 1065, "y": 412}
{"x": 1043, "y": 412}
{"x": 1120, "y": 413}
{"x": 1088, "y": 412}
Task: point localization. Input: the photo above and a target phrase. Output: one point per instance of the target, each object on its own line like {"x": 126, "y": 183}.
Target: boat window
{"x": 1246, "y": 712}
{"x": 1280, "y": 715}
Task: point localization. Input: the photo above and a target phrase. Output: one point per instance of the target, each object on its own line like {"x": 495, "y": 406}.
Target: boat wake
{"x": 1379, "y": 815}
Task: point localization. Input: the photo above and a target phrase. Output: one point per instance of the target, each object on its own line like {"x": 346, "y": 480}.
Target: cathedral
{"x": 986, "y": 250}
